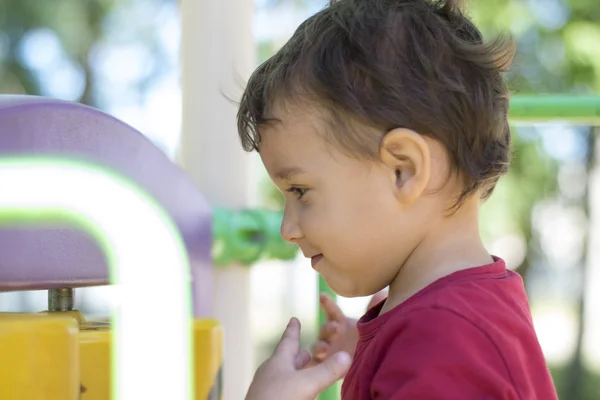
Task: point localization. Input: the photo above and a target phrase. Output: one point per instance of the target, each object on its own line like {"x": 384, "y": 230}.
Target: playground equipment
{"x": 86, "y": 200}
{"x": 82, "y": 191}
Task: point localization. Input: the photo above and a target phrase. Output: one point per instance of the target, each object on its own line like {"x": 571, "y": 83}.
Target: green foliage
{"x": 590, "y": 383}
{"x": 557, "y": 45}
{"x": 531, "y": 177}
{"x": 77, "y": 24}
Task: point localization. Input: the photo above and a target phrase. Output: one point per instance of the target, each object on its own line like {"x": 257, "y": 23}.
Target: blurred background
{"x": 122, "y": 56}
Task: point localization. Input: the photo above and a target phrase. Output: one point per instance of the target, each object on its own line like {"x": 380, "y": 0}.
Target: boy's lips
{"x": 315, "y": 259}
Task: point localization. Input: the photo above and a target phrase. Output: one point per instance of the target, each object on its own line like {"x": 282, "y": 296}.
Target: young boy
{"x": 384, "y": 123}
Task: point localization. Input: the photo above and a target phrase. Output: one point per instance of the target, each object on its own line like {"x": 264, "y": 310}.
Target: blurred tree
{"x": 77, "y": 24}
{"x": 558, "y": 52}
{"x": 73, "y": 28}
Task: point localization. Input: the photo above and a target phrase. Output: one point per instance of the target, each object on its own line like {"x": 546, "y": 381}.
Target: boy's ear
{"x": 408, "y": 157}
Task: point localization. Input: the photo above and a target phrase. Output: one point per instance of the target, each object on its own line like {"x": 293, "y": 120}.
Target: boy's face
{"x": 342, "y": 212}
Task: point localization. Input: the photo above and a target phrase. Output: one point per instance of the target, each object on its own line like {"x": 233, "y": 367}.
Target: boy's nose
{"x": 290, "y": 229}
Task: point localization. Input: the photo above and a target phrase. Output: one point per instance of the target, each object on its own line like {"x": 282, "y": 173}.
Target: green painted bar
{"x": 540, "y": 108}
{"x": 333, "y": 392}
{"x": 247, "y": 236}
{"x": 323, "y": 288}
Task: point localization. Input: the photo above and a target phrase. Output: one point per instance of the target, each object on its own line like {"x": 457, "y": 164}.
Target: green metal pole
{"x": 332, "y": 392}
{"x": 247, "y": 236}
{"x": 545, "y": 108}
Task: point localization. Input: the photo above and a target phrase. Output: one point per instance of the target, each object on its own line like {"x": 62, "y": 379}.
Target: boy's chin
{"x": 345, "y": 289}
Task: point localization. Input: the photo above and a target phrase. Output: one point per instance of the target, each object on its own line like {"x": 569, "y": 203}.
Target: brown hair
{"x": 385, "y": 64}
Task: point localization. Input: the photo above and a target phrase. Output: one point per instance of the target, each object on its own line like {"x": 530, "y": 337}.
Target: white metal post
{"x": 217, "y": 58}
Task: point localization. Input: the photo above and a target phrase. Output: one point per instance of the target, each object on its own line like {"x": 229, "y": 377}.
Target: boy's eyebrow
{"x": 287, "y": 173}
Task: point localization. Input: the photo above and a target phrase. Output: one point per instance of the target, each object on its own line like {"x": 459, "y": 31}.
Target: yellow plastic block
{"x": 208, "y": 349}
{"x": 95, "y": 339}
{"x": 49, "y": 356}
{"x": 94, "y": 342}
{"x": 40, "y": 357}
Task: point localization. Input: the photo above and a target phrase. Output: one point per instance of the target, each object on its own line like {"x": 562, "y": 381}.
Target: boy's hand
{"x": 339, "y": 333}
{"x": 283, "y": 376}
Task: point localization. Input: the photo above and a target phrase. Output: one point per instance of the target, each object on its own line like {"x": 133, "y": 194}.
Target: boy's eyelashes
{"x": 297, "y": 191}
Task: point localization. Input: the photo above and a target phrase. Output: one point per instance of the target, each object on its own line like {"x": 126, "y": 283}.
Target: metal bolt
{"x": 61, "y": 299}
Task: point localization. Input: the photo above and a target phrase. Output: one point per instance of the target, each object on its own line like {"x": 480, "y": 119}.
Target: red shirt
{"x": 466, "y": 336}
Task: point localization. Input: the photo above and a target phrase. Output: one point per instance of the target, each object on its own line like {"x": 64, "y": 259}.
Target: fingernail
{"x": 333, "y": 327}
{"x": 343, "y": 358}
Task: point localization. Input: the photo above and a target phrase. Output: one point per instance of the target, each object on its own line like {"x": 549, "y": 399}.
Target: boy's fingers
{"x": 329, "y": 329}
{"x": 289, "y": 345}
{"x": 302, "y": 359}
{"x": 333, "y": 311}
{"x": 323, "y": 375}
{"x": 320, "y": 349}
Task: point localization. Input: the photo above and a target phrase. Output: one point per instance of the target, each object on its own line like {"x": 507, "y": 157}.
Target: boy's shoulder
{"x": 485, "y": 295}
{"x": 477, "y": 296}
{"x": 470, "y": 331}
{"x": 486, "y": 305}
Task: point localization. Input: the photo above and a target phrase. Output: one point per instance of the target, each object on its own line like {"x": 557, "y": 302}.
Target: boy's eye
{"x": 298, "y": 192}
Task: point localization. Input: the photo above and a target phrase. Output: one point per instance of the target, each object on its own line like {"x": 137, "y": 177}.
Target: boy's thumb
{"x": 325, "y": 374}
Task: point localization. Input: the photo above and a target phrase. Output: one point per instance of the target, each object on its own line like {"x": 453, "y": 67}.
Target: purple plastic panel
{"x": 42, "y": 258}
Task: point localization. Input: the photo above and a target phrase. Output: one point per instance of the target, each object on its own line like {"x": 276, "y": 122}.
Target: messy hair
{"x": 386, "y": 64}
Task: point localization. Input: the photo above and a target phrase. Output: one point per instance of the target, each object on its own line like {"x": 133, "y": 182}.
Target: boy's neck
{"x": 453, "y": 244}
